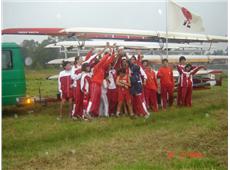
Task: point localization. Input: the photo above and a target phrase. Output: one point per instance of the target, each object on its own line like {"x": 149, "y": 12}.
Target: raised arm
{"x": 92, "y": 58}
{"x": 101, "y": 62}
{"x": 118, "y": 59}
{"x": 139, "y": 58}
{"x": 109, "y": 60}
{"x": 89, "y": 54}
{"x": 196, "y": 69}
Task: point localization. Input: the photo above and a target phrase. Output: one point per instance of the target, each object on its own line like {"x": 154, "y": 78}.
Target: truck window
{"x": 7, "y": 61}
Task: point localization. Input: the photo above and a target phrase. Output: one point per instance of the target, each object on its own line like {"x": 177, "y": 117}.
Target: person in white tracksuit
{"x": 104, "y": 104}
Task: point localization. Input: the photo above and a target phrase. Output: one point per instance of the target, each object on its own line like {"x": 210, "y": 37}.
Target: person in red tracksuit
{"x": 123, "y": 84}
{"x": 186, "y": 83}
{"x": 85, "y": 87}
{"x": 122, "y": 63}
{"x": 165, "y": 73}
{"x": 180, "y": 67}
{"x": 97, "y": 79}
{"x": 138, "y": 79}
{"x": 65, "y": 86}
{"x": 150, "y": 88}
{"x": 77, "y": 111}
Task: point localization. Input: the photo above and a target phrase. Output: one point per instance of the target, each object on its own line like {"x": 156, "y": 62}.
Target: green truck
{"x": 13, "y": 76}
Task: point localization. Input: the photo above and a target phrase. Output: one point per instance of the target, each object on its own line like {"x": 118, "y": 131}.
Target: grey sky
{"x": 132, "y": 15}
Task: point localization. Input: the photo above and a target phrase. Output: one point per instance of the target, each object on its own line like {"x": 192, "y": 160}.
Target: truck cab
{"x": 13, "y": 75}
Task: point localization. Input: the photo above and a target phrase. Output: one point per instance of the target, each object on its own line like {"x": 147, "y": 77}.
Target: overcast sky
{"x": 147, "y": 15}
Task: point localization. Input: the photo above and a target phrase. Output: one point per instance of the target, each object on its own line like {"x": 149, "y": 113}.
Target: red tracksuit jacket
{"x": 86, "y": 82}
{"x": 166, "y": 76}
{"x": 100, "y": 68}
{"x": 186, "y": 77}
{"x": 151, "y": 82}
{"x": 64, "y": 84}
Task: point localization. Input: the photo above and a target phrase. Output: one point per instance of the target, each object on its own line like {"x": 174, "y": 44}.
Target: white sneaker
{"x": 74, "y": 118}
{"x": 84, "y": 119}
{"x": 88, "y": 116}
{"x": 147, "y": 116}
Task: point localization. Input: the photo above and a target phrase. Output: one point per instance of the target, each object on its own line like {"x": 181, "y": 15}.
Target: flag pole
{"x": 166, "y": 28}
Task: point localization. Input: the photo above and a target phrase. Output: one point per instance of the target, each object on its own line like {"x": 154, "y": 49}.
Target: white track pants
{"x": 104, "y": 105}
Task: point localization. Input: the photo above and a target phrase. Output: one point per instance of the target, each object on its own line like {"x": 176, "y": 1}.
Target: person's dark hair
{"x": 134, "y": 57}
{"x": 76, "y": 59}
{"x": 182, "y": 58}
{"x": 64, "y": 63}
{"x": 145, "y": 61}
{"x": 84, "y": 66}
{"x": 122, "y": 71}
{"x": 165, "y": 59}
{"x": 188, "y": 65}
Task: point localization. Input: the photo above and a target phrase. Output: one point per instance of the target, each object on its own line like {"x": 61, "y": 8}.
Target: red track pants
{"x": 166, "y": 93}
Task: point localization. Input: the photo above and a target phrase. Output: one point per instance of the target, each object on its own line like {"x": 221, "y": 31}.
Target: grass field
{"x": 34, "y": 139}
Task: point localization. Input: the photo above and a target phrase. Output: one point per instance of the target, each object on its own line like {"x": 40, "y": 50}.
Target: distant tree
{"x": 38, "y": 53}
{"x": 218, "y": 52}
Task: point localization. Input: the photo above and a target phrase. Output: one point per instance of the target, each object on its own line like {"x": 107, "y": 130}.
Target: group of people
{"x": 109, "y": 83}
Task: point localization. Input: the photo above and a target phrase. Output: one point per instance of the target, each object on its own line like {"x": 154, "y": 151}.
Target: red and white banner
{"x": 181, "y": 19}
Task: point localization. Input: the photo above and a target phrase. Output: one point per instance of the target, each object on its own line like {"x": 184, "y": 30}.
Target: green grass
{"x": 37, "y": 78}
{"x": 38, "y": 141}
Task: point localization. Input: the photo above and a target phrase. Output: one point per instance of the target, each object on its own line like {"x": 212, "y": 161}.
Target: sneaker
{"x": 147, "y": 116}
{"x": 88, "y": 116}
{"x": 84, "y": 119}
{"x": 74, "y": 118}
